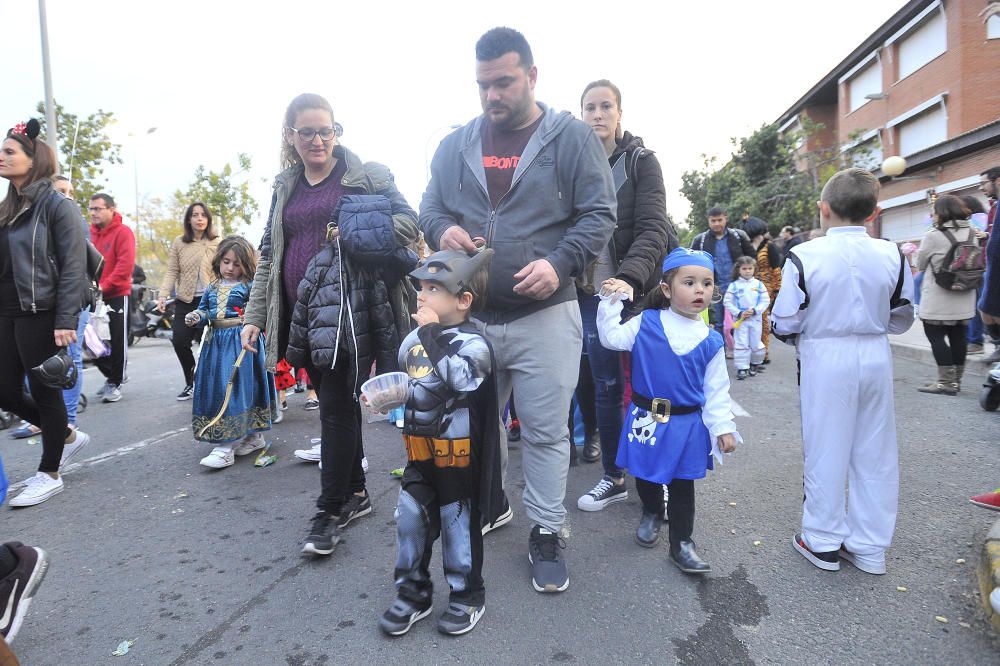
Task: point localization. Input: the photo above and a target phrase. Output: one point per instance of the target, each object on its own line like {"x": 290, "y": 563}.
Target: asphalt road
{"x": 203, "y": 567}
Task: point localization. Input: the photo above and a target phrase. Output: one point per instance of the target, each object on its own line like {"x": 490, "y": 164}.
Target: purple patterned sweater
{"x": 306, "y": 215}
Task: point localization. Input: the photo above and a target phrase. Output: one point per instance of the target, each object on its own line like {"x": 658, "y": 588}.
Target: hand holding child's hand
{"x": 424, "y": 315}
{"x": 727, "y": 443}
{"x": 746, "y": 314}
{"x": 192, "y": 318}
{"x": 614, "y": 286}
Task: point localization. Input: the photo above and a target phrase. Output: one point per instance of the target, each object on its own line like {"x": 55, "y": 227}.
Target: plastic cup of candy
{"x": 386, "y": 392}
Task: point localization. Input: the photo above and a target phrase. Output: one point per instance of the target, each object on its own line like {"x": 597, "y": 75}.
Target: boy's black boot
{"x": 686, "y": 558}
{"x": 648, "y": 532}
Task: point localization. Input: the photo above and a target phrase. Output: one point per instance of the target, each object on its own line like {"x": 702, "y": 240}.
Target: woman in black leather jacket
{"x": 42, "y": 268}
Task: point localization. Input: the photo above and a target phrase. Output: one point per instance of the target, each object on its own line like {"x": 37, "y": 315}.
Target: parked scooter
{"x": 149, "y": 322}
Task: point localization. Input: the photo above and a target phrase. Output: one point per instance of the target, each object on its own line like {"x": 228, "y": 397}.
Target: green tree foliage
{"x": 230, "y": 203}
{"x": 162, "y": 222}
{"x": 771, "y": 176}
{"x": 85, "y": 149}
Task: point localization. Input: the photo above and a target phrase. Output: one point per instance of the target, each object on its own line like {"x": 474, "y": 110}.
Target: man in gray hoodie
{"x": 534, "y": 185}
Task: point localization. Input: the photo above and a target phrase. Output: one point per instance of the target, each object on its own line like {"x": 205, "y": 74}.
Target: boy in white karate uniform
{"x": 841, "y": 295}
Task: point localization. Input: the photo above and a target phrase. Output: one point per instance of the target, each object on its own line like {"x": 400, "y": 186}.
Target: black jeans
{"x": 680, "y": 508}
{"x": 113, "y": 365}
{"x": 25, "y": 342}
{"x": 948, "y": 343}
{"x": 182, "y": 337}
{"x": 341, "y": 450}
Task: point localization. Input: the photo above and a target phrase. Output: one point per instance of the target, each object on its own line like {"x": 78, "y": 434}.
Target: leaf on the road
{"x": 941, "y": 618}
{"x": 123, "y": 648}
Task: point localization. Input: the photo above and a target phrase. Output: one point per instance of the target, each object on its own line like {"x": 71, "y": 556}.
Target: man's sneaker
{"x": 505, "y": 517}
{"x": 311, "y": 404}
{"x": 548, "y": 567}
{"x": 18, "y": 588}
{"x": 112, "y": 393}
{"x": 604, "y": 493}
{"x": 987, "y": 500}
{"x": 312, "y": 454}
{"x": 742, "y": 374}
{"x": 101, "y": 391}
{"x": 752, "y": 371}
{"x": 186, "y": 393}
{"x": 355, "y": 507}
{"x": 826, "y": 560}
{"x": 220, "y": 457}
{"x": 401, "y": 616}
{"x": 866, "y": 563}
{"x": 70, "y": 449}
{"x": 250, "y": 443}
{"x": 459, "y": 619}
{"x": 39, "y": 488}
{"x": 324, "y": 535}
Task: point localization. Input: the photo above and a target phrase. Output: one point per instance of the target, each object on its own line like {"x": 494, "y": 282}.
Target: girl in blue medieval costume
{"x": 680, "y": 415}
{"x": 234, "y": 427}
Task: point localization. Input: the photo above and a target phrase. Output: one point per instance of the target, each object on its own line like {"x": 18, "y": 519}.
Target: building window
{"x": 867, "y": 82}
{"x": 993, "y": 28}
{"x": 926, "y": 41}
{"x": 923, "y": 130}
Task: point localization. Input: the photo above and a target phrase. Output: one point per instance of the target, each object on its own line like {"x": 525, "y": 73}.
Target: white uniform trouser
{"x": 747, "y": 346}
{"x": 849, "y": 439}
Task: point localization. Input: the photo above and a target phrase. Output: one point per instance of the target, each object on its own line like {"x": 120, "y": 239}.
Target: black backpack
{"x": 964, "y": 264}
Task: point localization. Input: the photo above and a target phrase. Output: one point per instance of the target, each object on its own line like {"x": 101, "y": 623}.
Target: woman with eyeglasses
{"x": 189, "y": 272}
{"x": 318, "y": 173}
{"x": 42, "y": 271}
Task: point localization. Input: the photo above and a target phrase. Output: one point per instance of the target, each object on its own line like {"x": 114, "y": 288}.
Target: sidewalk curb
{"x": 973, "y": 366}
{"x": 988, "y": 572}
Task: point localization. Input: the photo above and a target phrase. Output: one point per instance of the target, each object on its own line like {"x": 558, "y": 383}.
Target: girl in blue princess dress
{"x": 680, "y": 415}
{"x": 250, "y": 410}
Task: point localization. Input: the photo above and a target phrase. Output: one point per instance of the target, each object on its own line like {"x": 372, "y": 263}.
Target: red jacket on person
{"x": 117, "y": 245}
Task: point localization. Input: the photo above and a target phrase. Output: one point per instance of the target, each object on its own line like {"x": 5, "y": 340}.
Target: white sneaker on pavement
{"x": 112, "y": 393}
{"x": 220, "y": 457}
{"x": 39, "y": 488}
{"x": 72, "y": 448}
{"x": 310, "y": 455}
{"x": 251, "y": 443}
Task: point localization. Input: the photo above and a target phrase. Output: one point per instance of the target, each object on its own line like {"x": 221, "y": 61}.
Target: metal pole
{"x": 51, "y": 132}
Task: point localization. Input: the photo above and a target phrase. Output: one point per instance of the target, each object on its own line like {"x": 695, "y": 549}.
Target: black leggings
{"x": 340, "y": 448}
{"x": 948, "y": 343}
{"x": 26, "y": 341}
{"x": 183, "y": 336}
{"x": 680, "y": 508}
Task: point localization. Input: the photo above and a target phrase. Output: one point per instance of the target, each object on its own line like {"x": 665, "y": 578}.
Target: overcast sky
{"x": 215, "y": 77}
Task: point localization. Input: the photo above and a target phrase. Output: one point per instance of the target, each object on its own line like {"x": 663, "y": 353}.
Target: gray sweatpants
{"x": 538, "y": 357}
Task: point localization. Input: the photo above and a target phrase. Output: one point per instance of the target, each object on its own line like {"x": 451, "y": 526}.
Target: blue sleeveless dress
{"x": 682, "y": 447}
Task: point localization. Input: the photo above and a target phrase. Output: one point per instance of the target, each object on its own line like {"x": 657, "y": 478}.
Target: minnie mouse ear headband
{"x": 682, "y": 256}
{"x": 25, "y": 133}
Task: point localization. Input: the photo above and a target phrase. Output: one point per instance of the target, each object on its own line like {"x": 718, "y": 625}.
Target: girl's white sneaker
{"x": 39, "y": 488}
{"x": 250, "y": 443}
{"x": 221, "y": 456}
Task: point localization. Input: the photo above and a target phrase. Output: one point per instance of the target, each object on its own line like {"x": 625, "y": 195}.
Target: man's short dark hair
{"x": 852, "y": 194}
{"x": 106, "y": 198}
{"x": 991, "y": 174}
{"x": 500, "y": 41}
{"x": 58, "y": 178}
{"x": 716, "y": 211}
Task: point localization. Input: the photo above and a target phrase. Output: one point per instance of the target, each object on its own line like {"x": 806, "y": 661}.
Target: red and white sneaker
{"x": 826, "y": 560}
{"x": 987, "y": 500}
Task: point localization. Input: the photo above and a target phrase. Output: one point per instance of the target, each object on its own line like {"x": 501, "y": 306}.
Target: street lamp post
{"x": 51, "y": 132}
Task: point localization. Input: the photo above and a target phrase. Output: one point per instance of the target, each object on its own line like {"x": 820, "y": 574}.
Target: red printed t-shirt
{"x": 502, "y": 151}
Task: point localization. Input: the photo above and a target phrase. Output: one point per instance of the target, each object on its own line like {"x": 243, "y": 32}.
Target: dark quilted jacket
{"x": 323, "y": 324}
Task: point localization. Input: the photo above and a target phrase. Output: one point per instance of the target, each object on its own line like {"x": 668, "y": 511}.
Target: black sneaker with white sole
{"x": 548, "y": 566}
{"x": 459, "y": 619}
{"x": 826, "y": 560}
{"x": 324, "y": 535}
{"x": 505, "y": 517}
{"x": 186, "y": 393}
{"x": 604, "y": 493}
{"x": 401, "y": 616}
{"x": 18, "y": 588}
{"x": 355, "y": 507}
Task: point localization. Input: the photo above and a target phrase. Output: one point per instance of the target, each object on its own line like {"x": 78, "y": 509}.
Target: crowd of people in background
{"x": 587, "y": 285}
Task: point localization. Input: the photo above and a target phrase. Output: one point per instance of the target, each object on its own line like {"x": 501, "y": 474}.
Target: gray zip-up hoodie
{"x": 561, "y": 207}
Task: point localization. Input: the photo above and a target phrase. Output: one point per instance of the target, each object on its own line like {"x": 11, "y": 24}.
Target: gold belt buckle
{"x": 654, "y": 406}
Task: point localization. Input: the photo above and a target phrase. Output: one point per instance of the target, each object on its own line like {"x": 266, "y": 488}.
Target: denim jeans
{"x": 609, "y": 383}
{"x": 72, "y": 396}
{"x": 976, "y": 329}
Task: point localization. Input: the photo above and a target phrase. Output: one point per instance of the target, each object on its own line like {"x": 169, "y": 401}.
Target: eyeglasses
{"x": 307, "y": 134}
{"x": 94, "y": 209}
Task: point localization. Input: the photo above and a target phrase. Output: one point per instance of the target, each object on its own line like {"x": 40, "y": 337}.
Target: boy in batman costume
{"x": 451, "y": 486}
